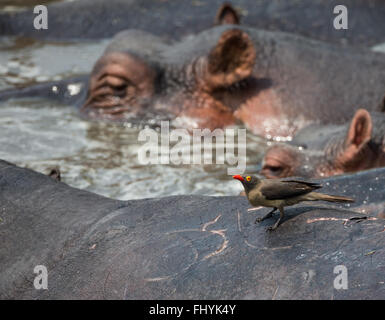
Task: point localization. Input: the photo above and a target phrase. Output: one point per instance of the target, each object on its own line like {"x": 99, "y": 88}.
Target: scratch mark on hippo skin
{"x": 220, "y": 232}
{"x": 210, "y": 223}
{"x": 255, "y": 247}
{"x": 254, "y": 209}
{"x": 251, "y": 246}
{"x": 223, "y": 246}
{"x": 105, "y": 285}
{"x": 278, "y": 248}
{"x": 239, "y": 221}
{"x": 172, "y": 276}
{"x": 157, "y": 279}
{"x": 275, "y": 293}
{"x": 109, "y": 267}
{"x": 326, "y": 219}
{"x": 267, "y": 248}
{"x": 337, "y": 219}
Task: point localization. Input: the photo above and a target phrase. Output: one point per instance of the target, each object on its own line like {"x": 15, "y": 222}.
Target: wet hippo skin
{"x": 274, "y": 83}
{"x": 186, "y": 247}
{"x": 175, "y": 19}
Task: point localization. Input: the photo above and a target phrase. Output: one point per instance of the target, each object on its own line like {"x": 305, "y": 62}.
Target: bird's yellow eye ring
{"x": 248, "y": 178}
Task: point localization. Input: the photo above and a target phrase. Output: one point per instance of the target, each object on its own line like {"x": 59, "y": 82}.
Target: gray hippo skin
{"x": 186, "y": 247}
{"x": 174, "y": 19}
{"x": 325, "y": 150}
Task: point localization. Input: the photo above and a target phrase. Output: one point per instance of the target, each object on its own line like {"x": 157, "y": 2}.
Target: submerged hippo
{"x": 175, "y": 19}
{"x": 328, "y": 150}
{"x": 186, "y": 247}
{"x": 274, "y": 83}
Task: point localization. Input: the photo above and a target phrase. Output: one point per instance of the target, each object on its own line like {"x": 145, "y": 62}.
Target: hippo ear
{"x": 231, "y": 60}
{"x": 359, "y": 134}
{"x": 360, "y": 130}
{"x": 227, "y": 15}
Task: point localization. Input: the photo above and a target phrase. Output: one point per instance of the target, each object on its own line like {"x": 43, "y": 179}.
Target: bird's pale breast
{"x": 257, "y": 199}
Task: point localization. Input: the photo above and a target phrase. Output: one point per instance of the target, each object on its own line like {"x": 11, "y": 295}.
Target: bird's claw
{"x": 258, "y": 220}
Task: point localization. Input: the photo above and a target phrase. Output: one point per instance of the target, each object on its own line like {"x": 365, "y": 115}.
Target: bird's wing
{"x": 310, "y": 184}
{"x": 276, "y": 189}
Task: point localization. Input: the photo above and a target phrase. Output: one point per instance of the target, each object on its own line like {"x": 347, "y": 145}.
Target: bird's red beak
{"x": 238, "y": 177}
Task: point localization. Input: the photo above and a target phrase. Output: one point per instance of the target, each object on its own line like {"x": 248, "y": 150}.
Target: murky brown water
{"x": 100, "y": 157}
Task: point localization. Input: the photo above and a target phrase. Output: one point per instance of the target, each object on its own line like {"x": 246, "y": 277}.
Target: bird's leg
{"x": 260, "y": 219}
{"x": 275, "y": 226}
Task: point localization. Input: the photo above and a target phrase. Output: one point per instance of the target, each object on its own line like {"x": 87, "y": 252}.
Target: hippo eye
{"x": 121, "y": 87}
{"x": 271, "y": 171}
{"x": 275, "y": 169}
{"x": 248, "y": 178}
{"x": 120, "y": 90}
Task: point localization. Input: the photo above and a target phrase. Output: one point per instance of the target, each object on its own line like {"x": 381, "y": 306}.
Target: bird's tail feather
{"x": 326, "y": 197}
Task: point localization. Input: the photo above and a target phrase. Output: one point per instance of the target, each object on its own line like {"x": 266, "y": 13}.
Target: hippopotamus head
{"x": 198, "y": 80}
{"x": 272, "y": 83}
{"x": 318, "y": 151}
